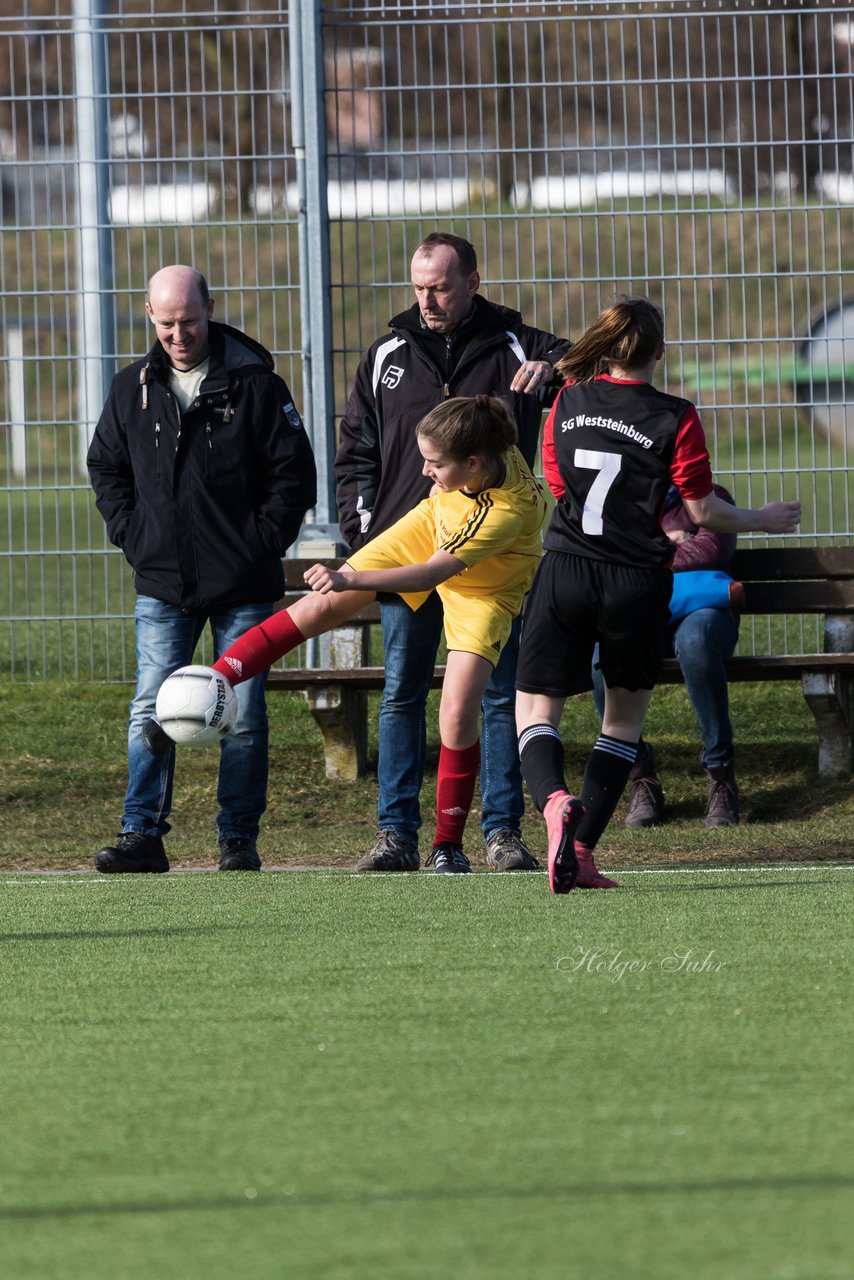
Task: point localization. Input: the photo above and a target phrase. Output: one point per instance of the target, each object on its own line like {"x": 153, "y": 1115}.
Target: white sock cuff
{"x": 536, "y": 731}
{"x": 616, "y": 747}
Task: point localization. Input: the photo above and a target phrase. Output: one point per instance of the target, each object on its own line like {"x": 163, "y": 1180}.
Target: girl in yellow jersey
{"x": 476, "y": 540}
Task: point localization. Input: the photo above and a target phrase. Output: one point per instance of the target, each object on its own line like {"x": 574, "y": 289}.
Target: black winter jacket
{"x": 204, "y": 504}
{"x": 404, "y": 375}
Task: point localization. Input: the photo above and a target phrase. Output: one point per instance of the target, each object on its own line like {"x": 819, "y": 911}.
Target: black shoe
{"x": 155, "y": 739}
{"x": 132, "y": 852}
{"x": 449, "y": 860}
{"x": 393, "y": 851}
{"x": 238, "y": 854}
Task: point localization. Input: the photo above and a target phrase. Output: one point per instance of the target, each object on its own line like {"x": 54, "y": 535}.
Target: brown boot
{"x": 722, "y": 809}
{"x": 646, "y": 802}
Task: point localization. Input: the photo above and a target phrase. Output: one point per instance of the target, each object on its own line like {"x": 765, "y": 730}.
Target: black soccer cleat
{"x": 155, "y": 739}
{"x": 238, "y": 854}
{"x": 449, "y": 860}
{"x": 132, "y": 852}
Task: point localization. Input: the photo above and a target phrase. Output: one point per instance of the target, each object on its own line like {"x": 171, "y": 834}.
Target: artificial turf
{"x": 316, "y": 1074}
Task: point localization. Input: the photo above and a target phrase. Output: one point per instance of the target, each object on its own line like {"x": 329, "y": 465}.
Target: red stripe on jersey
{"x": 690, "y": 467}
{"x": 551, "y": 470}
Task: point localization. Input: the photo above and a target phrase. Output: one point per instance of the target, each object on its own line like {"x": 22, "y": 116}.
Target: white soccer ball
{"x": 196, "y": 706}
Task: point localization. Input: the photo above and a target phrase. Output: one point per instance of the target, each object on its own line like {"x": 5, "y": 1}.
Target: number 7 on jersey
{"x": 608, "y": 466}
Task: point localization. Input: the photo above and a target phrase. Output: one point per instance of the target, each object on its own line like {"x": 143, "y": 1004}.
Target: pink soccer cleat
{"x": 589, "y": 875}
{"x": 562, "y": 813}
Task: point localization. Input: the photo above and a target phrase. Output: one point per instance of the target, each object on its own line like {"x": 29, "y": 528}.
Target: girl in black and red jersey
{"x": 613, "y": 445}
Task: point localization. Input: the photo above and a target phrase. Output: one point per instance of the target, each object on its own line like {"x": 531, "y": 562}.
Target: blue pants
{"x": 166, "y": 638}
{"x": 702, "y": 642}
{"x": 411, "y": 643}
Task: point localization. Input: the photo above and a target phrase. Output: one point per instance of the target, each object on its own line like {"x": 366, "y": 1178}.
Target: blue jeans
{"x": 166, "y": 638}
{"x": 411, "y": 643}
{"x": 702, "y": 642}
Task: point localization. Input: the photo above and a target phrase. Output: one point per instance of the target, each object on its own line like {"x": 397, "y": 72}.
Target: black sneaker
{"x": 507, "y": 851}
{"x": 155, "y": 739}
{"x": 238, "y": 854}
{"x": 132, "y": 852}
{"x": 448, "y": 860}
{"x": 393, "y": 851}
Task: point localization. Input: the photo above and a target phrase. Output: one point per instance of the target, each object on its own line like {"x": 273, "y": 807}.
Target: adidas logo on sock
{"x": 454, "y": 813}
{"x": 235, "y": 664}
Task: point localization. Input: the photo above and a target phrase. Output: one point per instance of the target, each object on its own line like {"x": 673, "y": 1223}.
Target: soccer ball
{"x": 196, "y": 706}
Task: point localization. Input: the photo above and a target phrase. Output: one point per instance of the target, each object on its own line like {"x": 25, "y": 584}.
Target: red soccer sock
{"x": 454, "y": 792}
{"x": 258, "y": 647}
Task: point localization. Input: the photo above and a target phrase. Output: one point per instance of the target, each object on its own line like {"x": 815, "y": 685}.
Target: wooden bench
{"x": 790, "y": 580}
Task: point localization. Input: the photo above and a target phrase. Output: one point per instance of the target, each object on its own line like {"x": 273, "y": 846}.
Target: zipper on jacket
{"x": 209, "y": 450}
{"x": 157, "y": 449}
{"x": 143, "y": 382}
{"x": 475, "y": 350}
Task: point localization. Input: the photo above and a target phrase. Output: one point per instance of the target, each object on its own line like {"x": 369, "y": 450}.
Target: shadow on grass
{"x": 437, "y": 1195}
{"x": 88, "y": 934}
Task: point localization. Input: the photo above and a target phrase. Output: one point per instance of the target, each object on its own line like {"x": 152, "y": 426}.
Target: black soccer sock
{"x": 542, "y": 761}
{"x": 605, "y": 780}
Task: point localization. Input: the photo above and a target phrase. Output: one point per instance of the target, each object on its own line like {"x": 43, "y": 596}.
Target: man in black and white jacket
{"x": 451, "y": 342}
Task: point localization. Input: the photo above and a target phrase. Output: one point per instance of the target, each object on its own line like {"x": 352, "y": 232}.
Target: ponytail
{"x": 627, "y": 333}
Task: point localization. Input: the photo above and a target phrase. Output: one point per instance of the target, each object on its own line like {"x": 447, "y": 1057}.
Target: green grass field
{"x": 309, "y": 1073}
{"x": 313, "y": 1074}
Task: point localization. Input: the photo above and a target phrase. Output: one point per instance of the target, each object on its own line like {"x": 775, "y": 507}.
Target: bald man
{"x": 203, "y": 474}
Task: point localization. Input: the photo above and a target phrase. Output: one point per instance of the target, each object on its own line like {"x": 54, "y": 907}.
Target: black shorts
{"x": 576, "y": 602}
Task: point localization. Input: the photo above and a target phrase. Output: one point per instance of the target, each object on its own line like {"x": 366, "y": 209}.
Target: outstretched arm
{"x": 411, "y": 577}
{"x": 713, "y": 513}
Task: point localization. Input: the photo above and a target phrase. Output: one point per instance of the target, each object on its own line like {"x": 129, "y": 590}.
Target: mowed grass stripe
{"x": 277, "y": 1076}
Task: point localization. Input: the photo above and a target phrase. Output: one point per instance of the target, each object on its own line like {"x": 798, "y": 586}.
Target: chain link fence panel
{"x": 700, "y": 156}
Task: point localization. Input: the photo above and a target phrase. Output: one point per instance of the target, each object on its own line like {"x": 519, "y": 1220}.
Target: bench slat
{"x": 785, "y": 667}
{"x": 834, "y": 596}
{"x": 786, "y": 564}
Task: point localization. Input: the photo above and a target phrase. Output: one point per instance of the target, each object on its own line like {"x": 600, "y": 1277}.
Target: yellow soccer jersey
{"x": 496, "y": 533}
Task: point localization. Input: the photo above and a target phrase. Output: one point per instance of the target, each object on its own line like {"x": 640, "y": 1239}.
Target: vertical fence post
{"x": 308, "y": 127}
{"x": 96, "y": 320}
{"x": 16, "y": 384}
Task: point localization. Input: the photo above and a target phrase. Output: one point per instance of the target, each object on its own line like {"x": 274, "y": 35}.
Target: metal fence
{"x": 297, "y": 153}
